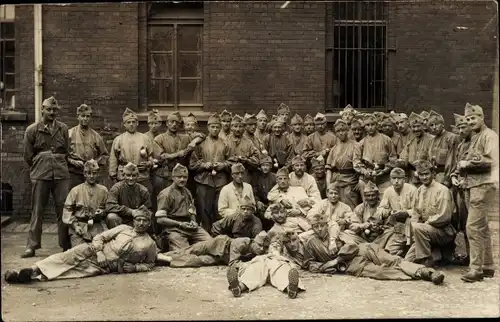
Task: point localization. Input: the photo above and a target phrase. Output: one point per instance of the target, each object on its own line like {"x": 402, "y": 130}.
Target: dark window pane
{"x": 346, "y": 36}
{"x": 161, "y": 66}
{"x": 10, "y": 48}
{"x": 373, "y": 10}
{"x": 10, "y": 81}
{"x": 161, "y": 37}
{"x": 190, "y": 37}
{"x": 9, "y": 99}
{"x": 190, "y": 65}
{"x": 345, "y": 10}
{"x": 373, "y": 37}
{"x": 10, "y": 65}
{"x": 329, "y": 80}
{"x": 8, "y": 30}
{"x": 190, "y": 91}
{"x": 161, "y": 92}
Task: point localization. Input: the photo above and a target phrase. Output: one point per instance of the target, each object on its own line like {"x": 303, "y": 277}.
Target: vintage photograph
{"x": 244, "y": 160}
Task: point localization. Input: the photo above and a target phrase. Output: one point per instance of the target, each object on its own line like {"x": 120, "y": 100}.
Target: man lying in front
{"x": 123, "y": 249}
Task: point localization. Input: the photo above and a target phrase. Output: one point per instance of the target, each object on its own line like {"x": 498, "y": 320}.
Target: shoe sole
{"x": 28, "y": 255}
{"x": 488, "y": 275}
{"x": 467, "y": 280}
{"x": 25, "y": 275}
{"x": 232, "y": 279}
{"x": 293, "y": 283}
{"x": 438, "y": 280}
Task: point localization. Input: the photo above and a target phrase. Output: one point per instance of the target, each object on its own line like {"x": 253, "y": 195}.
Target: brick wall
{"x": 437, "y": 66}
{"x": 261, "y": 55}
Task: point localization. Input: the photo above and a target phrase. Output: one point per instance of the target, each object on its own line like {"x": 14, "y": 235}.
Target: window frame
{"x": 331, "y": 48}
{"x": 3, "y": 41}
{"x": 176, "y": 78}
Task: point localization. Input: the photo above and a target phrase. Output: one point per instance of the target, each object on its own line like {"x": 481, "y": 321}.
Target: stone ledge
{"x": 13, "y": 116}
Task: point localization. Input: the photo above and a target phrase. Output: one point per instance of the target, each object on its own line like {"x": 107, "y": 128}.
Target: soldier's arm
{"x": 99, "y": 240}
{"x": 484, "y": 159}
{"x": 69, "y": 207}
{"x": 101, "y": 147}
{"x": 29, "y": 140}
{"x": 440, "y": 215}
{"x": 150, "y": 260}
{"x": 112, "y": 205}
{"x": 222, "y": 226}
{"x": 113, "y": 159}
{"x": 195, "y": 162}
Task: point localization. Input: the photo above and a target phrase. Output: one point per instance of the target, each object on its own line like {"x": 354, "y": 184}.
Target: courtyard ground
{"x": 200, "y": 294}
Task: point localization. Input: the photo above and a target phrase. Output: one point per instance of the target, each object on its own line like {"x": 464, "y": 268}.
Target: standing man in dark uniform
{"x": 46, "y": 150}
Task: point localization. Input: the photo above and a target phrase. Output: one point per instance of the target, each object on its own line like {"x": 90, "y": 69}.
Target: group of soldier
{"x": 383, "y": 195}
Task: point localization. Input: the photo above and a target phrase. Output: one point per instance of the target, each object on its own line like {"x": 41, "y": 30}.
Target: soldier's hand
{"x": 79, "y": 230}
{"x": 454, "y": 181}
{"x": 303, "y": 203}
{"x": 355, "y": 228}
{"x": 341, "y": 222}
{"x": 219, "y": 166}
{"x": 128, "y": 268}
{"x": 101, "y": 260}
{"x": 78, "y": 163}
{"x": 462, "y": 164}
{"x": 286, "y": 203}
{"x": 206, "y": 165}
{"x": 143, "y": 165}
{"x": 294, "y": 212}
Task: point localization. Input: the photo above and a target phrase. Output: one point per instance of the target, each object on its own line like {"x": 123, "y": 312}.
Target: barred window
{"x": 8, "y": 50}
{"x": 356, "y": 54}
{"x": 175, "y": 55}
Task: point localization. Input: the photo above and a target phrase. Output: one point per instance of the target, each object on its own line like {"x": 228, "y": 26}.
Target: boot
{"x": 232, "y": 279}
{"x": 29, "y": 252}
{"x": 293, "y": 283}
{"x": 472, "y": 276}
{"x": 25, "y": 275}
{"x": 437, "y": 277}
{"x": 488, "y": 273}
{"x": 11, "y": 277}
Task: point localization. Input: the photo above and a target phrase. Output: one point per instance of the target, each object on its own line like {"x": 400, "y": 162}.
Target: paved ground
{"x": 194, "y": 294}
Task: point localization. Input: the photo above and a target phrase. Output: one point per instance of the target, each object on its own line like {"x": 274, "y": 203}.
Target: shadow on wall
{"x": 6, "y": 196}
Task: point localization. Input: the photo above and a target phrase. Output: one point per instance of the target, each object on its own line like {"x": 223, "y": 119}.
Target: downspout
{"x": 38, "y": 52}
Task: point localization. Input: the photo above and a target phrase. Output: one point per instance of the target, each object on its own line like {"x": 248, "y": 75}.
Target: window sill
{"x": 13, "y": 116}
{"x": 201, "y": 116}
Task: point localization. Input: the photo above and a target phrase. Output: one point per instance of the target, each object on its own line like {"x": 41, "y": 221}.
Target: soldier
{"x": 442, "y": 144}
{"x": 131, "y": 147}
{"x": 243, "y": 223}
{"x": 232, "y": 195}
{"x": 458, "y": 181}
{"x": 241, "y": 149}
{"x": 84, "y": 207}
{"x": 363, "y": 260}
{"x": 261, "y": 133}
{"x": 348, "y": 114}
{"x": 250, "y": 127}
{"x": 481, "y": 166}
{"x": 262, "y": 183}
{"x": 154, "y": 124}
{"x": 225, "y": 118}
{"x": 308, "y": 125}
{"x": 300, "y": 178}
{"x": 209, "y": 162}
{"x": 340, "y": 165}
{"x": 430, "y": 217}
{"x": 103, "y": 256}
{"x": 399, "y": 196}
{"x": 279, "y": 267}
{"x": 297, "y": 137}
{"x": 321, "y": 141}
{"x": 403, "y": 126}
{"x": 279, "y": 147}
{"x": 369, "y": 224}
{"x": 46, "y": 148}
{"x": 319, "y": 174}
{"x": 176, "y": 214}
{"x": 377, "y": 157}
{"x": 221, "y": 250}
{"x": 357, "y": 129}
{"x": 174, "y": 148}
{"x": 125, "y": 196}
{"x": 388, "y": 128}
{"x": 416, "y": 149}
{"x": 284, "y": 113}
{"x": 425, "y": 117}
{"x": 85, "y": 144}
{"x": 191, "y": 127}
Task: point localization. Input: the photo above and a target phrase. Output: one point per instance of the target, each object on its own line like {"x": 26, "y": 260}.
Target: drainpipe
{"x": 38, "y": 52}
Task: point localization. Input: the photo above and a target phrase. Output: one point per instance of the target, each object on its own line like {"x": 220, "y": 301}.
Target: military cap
{"x": 236, "y": 119}
{"x": 397, "y": 173}
{"x": 425, "y": 115}
{"x": 283, "y": 108}
{"x": 261, "y": 237}
{"x": 296, "y": 119}
{"x": 154, "y": 116}
{"x": 317, "y": 162}
{"x": 403, "y": 116}
{"x": 279, "y": 119}
{"x": 213, "y": 119}
{"x": 437, "y": 116}
{"x": 247, "y": 202}
{"x": 473, "y": 110}
{"x": 340, "y": 123}
{"x": 282, "y": 172}
{"x": 237, "y": 168}
{"x": 250, "y": 118}
{"x": 128, "y": 115}
{"x": 334, "y": 186}
{"x": 83, "y": 108}
{"x": 370, "y": 187}
{"x": 308, "y": 119}
{"x": 179, "y": 170}
{"x": 415, "y": 118}
{"x": 320, "y": 118}
{"x": 261, "y": 115}
{"x": 316, "y": 217}
{"x": 175, "y": 116}
{"x": 388, "y": 119}
{"x": 459, "y": 119}
{"x": 91, "y": 165}
{"x": 226, "y": 114}
{"x": 298, "y": 159}
{"x": 130, "y": 168}
{"x": 142, "y": 212}
{"x": 190, "y": 118}
{"x": 423, "y": 165}
{"x": 266, "y": 159}
{"x": 50, "y": 102}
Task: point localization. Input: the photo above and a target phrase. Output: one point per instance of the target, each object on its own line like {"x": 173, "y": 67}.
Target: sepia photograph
{"x": 248, "y": 160}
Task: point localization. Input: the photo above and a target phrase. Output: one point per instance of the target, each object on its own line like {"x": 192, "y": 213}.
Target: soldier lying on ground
{"x": 123, "y": 249}
{"x": 363, "y": 260}
{"x": 221, "y": 250}
{"x": 279, "y": 267}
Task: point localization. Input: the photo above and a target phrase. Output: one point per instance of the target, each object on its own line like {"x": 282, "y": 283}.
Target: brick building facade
{"x": 247, "y": 56}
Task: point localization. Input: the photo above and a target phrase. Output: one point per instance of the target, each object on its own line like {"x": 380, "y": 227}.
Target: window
{"x": 175, "y": 55}
{"x": 8, "y": 49}
{"x": 356, "y": 54}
